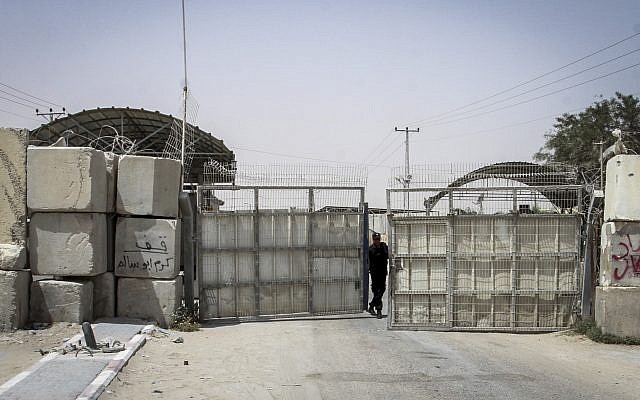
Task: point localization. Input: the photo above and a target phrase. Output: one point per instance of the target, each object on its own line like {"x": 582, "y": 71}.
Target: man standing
{"x": 378, "y": 256}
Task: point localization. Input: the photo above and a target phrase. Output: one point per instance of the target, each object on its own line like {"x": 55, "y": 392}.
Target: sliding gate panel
{"x": 505, "y": 271}
{"x": 279, "y": 251}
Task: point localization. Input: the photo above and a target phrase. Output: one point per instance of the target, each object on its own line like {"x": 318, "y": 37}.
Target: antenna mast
{"x": 184, "y": 94}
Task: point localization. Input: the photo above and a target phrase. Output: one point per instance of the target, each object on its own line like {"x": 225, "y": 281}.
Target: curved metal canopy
{"x": 148, "y": 131}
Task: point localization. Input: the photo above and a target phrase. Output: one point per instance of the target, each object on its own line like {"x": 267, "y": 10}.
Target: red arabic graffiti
{"x": 631, "y": 257}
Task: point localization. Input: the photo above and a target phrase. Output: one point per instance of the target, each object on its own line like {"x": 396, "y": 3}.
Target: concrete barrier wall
{"x": 13, "y": 185}
{"x": 68, "y": 244}
{"x": 620, "y": 258}
{"x": 618, "y": 310}
{"x": 72, "y": 179}
{"x": 147, "y": 248}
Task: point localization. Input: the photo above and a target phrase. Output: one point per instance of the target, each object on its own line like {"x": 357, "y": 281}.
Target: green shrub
{"x": 185, "y": 320}
{"x": 589, "y": 328}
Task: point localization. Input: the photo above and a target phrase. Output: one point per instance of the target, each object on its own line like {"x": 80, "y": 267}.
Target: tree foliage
{"x": 573, "y": 138}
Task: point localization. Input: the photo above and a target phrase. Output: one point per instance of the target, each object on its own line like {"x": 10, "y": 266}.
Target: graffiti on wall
{"x": 149, "y": 254}
{"x": 626, "y": 258}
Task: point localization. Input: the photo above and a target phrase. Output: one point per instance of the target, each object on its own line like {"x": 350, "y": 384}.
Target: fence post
{"x": 365, "y": 255}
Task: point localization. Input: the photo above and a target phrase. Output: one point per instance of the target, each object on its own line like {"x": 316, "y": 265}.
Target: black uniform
{"x": 378, "y": 257}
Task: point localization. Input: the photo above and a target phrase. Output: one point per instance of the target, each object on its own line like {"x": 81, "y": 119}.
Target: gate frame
{"x": 255, "y": 211}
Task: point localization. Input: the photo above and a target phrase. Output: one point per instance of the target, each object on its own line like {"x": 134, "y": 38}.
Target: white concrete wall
{"x": 72, "y": 179}
{"x": 620, "y": 254}
{"x": 147, "y": 248}
{"x": 148, "y": 186}
{"x": 68, "y": 244}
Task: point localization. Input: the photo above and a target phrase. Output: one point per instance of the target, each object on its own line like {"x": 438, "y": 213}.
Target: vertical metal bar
{"x": 391, "y": 281}
{"x": 450, "y": 264}
{"x": 365, "y": 255}
{"x": 514, "y": 260}
{"x": 256, "y": 250}
{"x": 309, "y": 249}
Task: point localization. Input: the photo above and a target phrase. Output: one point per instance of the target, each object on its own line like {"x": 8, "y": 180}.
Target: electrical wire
{"x": 528, "y": 81}
{"x": 18, "y": 115}
{"x": 538, "y": 87}
{"x": 533, "y": 98}
{"x": 30, "y": 95}
{"x": 17, "y": 102}
{"x": 298, "y": 157}
{"x": 23, "y": 99}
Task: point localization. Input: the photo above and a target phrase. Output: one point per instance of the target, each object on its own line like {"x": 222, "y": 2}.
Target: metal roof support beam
{"x": 153, "y": 133}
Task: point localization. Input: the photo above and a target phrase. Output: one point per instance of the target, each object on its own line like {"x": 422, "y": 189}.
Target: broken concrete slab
{"x": 148, "y": 186}
{"x": 61, "y": 301}
{"x": 622, "y": 189}
{"x": 72, "y": 179}
{"x": 147, "y": 248}
{"x": 13, "y": 257}
{"x": 68, "y": 244}
{"x": 14, "y": 307}
{"x": 149, "y": 299}
{"x": 13, "y": 185}
{"x": 617, "y": 310}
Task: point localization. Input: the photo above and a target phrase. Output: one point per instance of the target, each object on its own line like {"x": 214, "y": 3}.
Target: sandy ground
{"x": 20, "y": 349}
{"x": 357, "y": 358}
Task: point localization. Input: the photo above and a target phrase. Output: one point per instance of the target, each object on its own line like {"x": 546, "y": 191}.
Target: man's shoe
{"x": 379, "y": 314}
{"x": 371, "y": 310}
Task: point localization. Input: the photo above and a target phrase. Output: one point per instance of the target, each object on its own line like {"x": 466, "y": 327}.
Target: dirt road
{"x": 358, "y": 358}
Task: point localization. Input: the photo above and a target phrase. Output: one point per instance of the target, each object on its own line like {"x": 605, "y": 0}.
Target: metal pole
{"x": 407, "y": 174}
{"x": 184, "y": 94}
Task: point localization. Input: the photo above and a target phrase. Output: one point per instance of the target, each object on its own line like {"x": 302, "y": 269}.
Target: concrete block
{"x": 70, "y": 179}
{"x": 149, "y": 299}
{"x": 13, "y": 185}
{"x": 622, "y": 190}
{"x": 620, "y": 254}
{"x": 617, "y": 310}
{"x": 111, "y": 160}
{"x": 148, "y": 186}
{"x": 13, "y": 257}
{"x": 14, "y": 307}
{"x": 68, "y": 244}
{"x": 61, "y": 301}
{"x": 104, "y": 294}
{"x": 147, "y": 248}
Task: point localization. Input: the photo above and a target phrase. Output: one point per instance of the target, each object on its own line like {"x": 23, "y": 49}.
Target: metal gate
{"x": 503, "y": 258}
{"x": 275, "y": 251}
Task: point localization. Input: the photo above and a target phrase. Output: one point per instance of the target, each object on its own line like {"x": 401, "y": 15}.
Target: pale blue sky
{"x": 325, "y": 79}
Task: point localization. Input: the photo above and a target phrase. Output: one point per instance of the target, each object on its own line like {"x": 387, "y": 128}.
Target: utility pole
{"x": 51, "y": 114}
{"x": 184, "y": 95}
{"x": 407, "y": 174}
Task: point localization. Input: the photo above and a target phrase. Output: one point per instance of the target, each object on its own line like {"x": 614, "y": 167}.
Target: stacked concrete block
{"x": 68, "y": 244}
{"x": 70, "y": 192}
{"x": 149, "y": 299}
{"x": 148, "y": 186}
{"x": 14, "y": 277}
{"x": 14, "y": 310}
{"x": 67, "y": 179}
{"x": 618, "y": 296}
{"x": 147, "y": 248}
{"x": 61, "y": 301}
{"x": 147, "y": 244}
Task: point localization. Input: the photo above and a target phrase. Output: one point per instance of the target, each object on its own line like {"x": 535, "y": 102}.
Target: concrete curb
{"x": 104, "y": 378}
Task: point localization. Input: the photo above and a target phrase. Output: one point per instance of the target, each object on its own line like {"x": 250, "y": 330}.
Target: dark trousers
{"x": 378, "y": 286}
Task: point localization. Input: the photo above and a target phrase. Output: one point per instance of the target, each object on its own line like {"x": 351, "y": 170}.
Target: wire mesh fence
{"x": 273, "y": 251}
{"x": 485, "y": 253}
